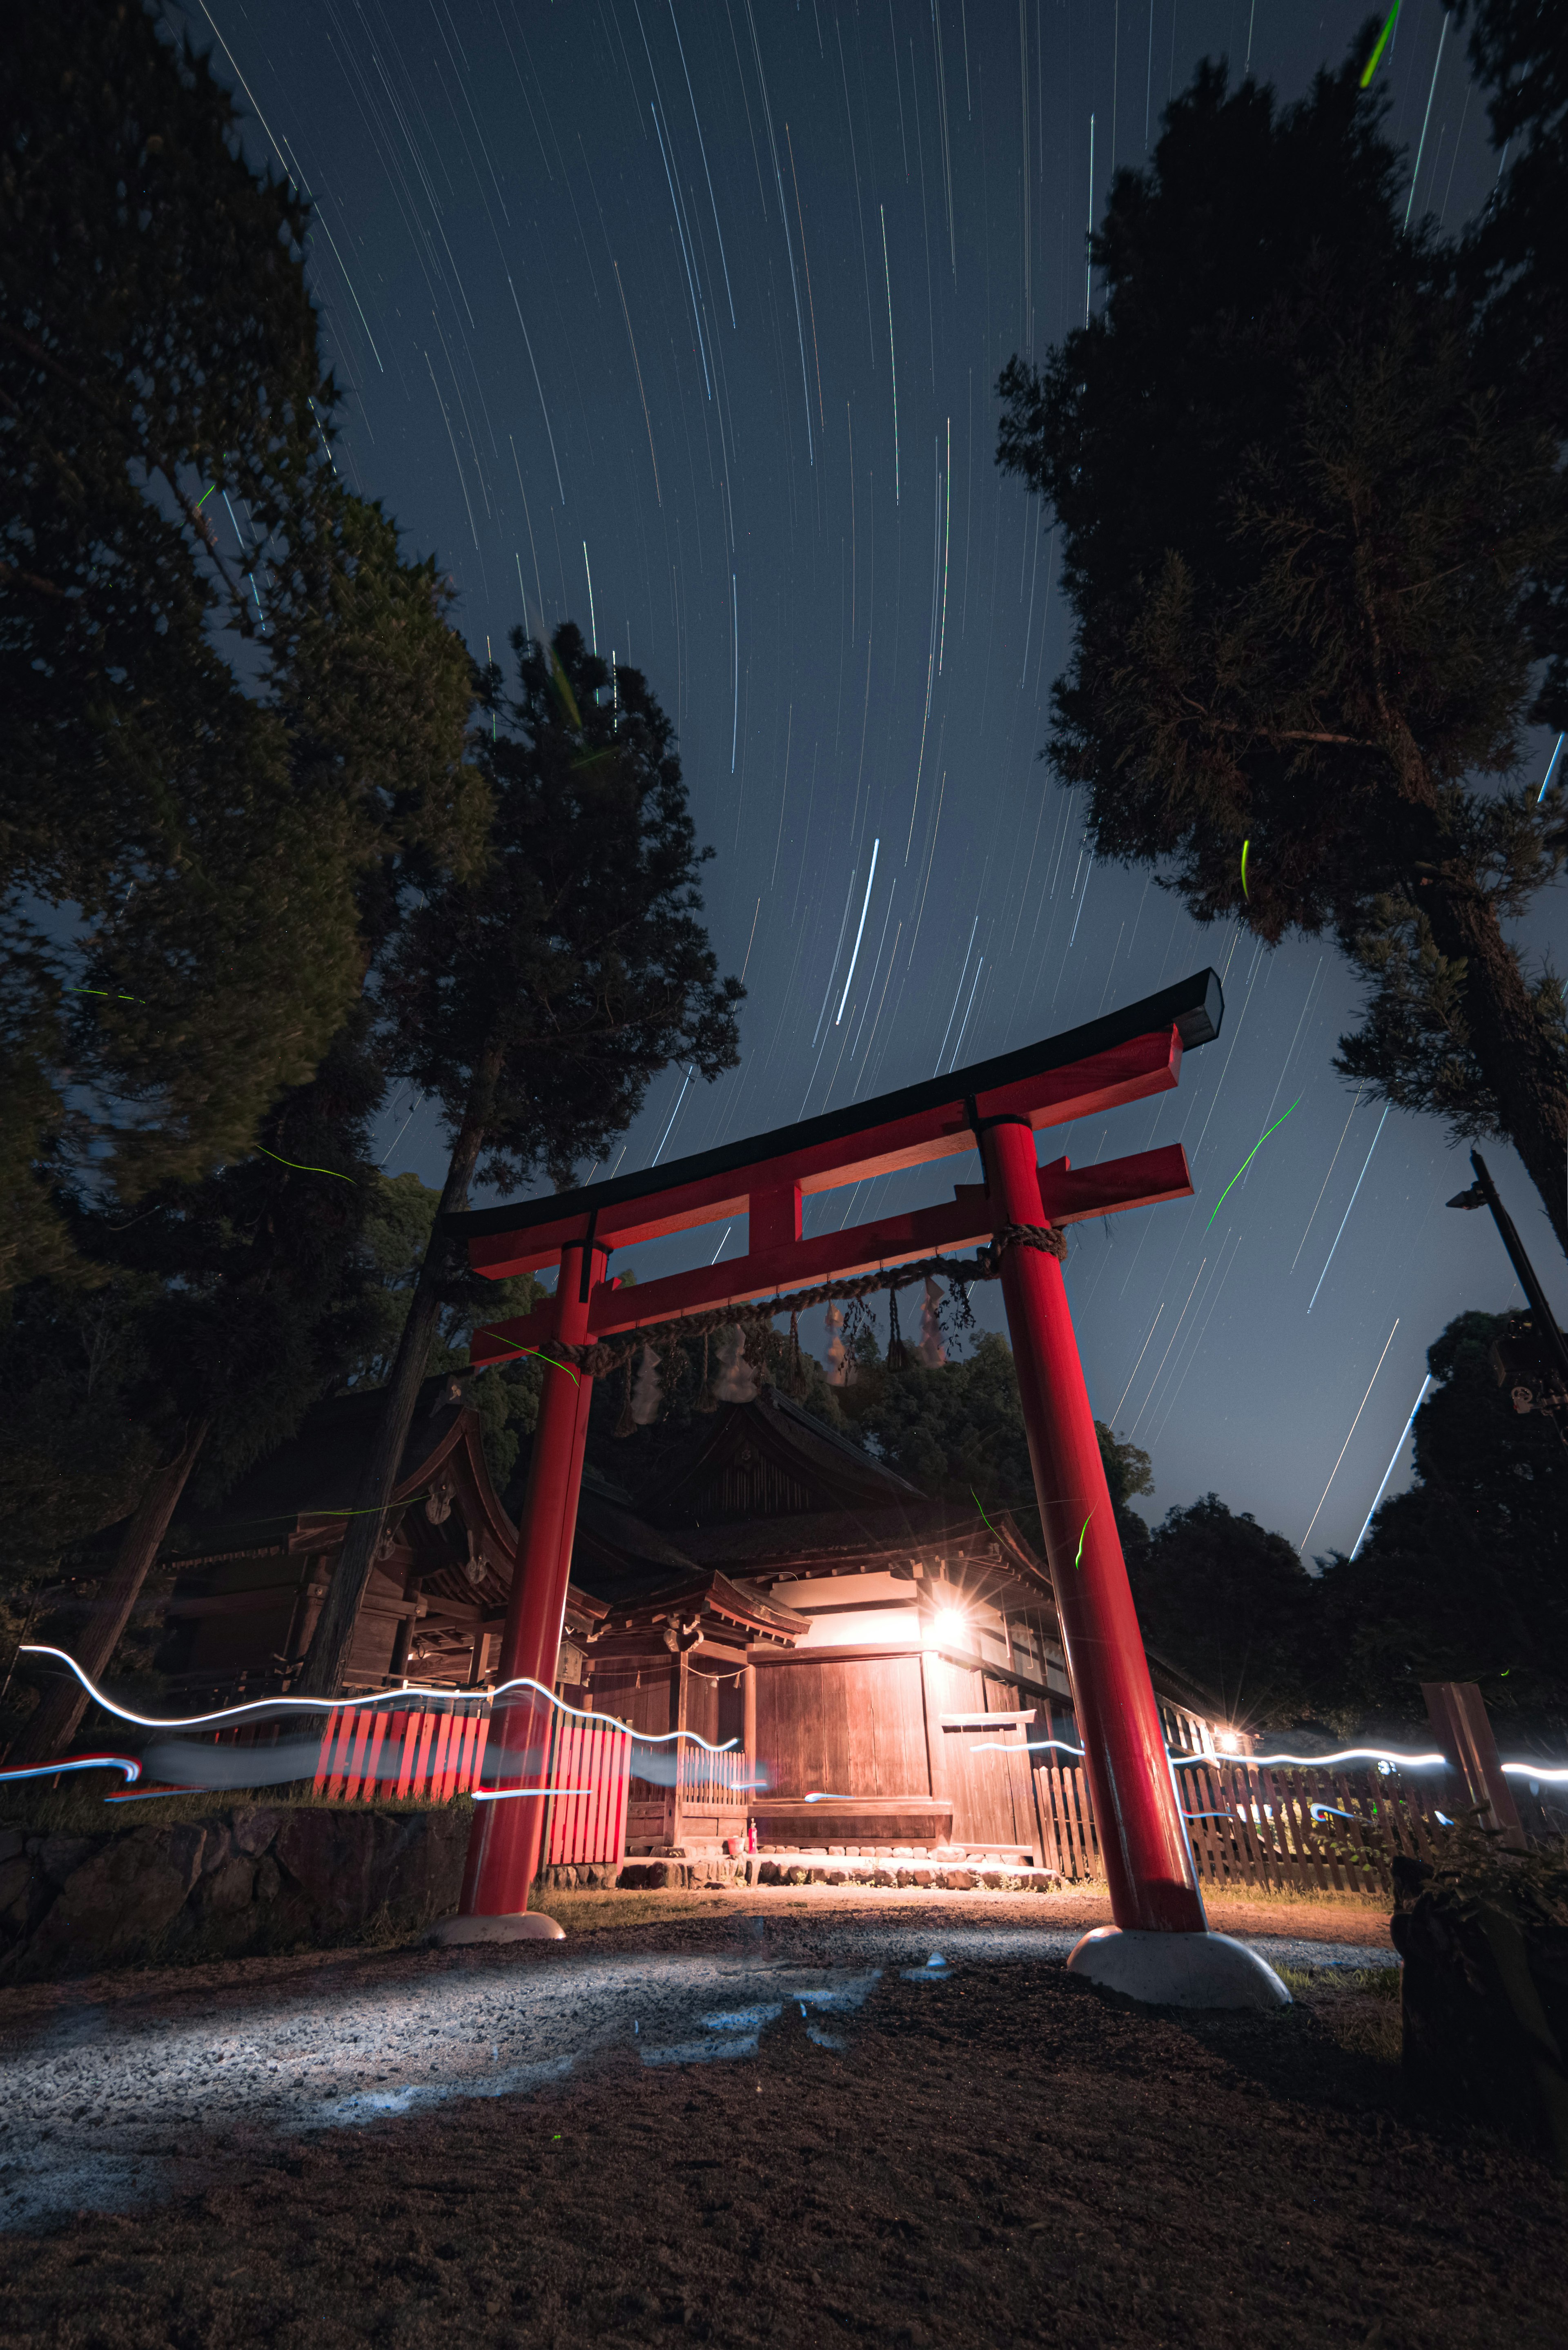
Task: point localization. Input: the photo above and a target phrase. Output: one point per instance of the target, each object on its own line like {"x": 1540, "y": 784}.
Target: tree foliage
{"x": 536, "y": 996}
{"x": 231, "y": 714}
{"x": 1301, "y": 525}
{"x": 1233, "y": 1605}
{"x": 1464, "y": 1576}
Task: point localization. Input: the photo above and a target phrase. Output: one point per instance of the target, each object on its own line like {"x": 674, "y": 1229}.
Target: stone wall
{"x": 259, "y": 1877}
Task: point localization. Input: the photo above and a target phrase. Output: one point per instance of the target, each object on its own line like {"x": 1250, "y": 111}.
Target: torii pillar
{"x": 1160, "y": 1948}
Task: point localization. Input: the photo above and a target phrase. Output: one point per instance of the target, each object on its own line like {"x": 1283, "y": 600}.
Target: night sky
{"x": 686, "y": 323}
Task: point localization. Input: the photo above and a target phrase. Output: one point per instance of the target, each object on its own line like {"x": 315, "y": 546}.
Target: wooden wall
{"x": 848, "y": 1726}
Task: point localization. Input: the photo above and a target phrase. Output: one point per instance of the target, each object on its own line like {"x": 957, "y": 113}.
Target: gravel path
{"x": 110, "y": 2101}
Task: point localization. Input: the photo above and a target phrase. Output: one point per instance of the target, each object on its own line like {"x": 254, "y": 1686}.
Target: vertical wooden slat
{"x": 438, "y": 1756}
{"x": 369, "y": 1784}
{"x": 622, "y": 1746}
{"x": 442, "y": 1777}
{"x": 465, "y": 1761}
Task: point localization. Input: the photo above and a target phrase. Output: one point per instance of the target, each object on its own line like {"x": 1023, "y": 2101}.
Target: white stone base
{"x": 518, "y": 1926}
{"x": 1178, "y": 1970}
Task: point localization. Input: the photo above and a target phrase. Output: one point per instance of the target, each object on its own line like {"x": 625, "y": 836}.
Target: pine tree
{"x": 536, "y": 999}
{"x": 1301, "y": 526}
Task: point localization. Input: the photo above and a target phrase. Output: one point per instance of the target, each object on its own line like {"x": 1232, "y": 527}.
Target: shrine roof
{"x": 317, "y": 1472}
{"x": 905, "y": 1128}
{"x": 827, "y": 1465}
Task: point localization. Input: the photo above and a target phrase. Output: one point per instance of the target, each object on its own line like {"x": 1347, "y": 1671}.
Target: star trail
{"x": 684, "y": 321}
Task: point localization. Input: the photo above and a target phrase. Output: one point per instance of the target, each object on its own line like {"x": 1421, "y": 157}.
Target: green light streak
{"x": 1382, "y": 45}
{"x": 1083, "y": 1530}
{"x": 1246, "y": 1162}
{"x": 1245, "y": 845}
{"x": 301, "y": 1169}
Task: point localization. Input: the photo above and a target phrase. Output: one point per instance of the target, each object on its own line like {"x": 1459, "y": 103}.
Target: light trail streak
{"x": 540, "y": 389}
{"x": 674, "y": 1113}
{"x": 1333, "y": 1163}
{"x": 593, "y": 624}
{"x": 1083, "y": 902}
{"x": 641, "y": 394}
{"x": 1246, "y": 1162}
{"x": 1141, "y": 1353}
{"x": 1089, "y": 270}
{"x": 300, "y": 1169}
{"x": 685, "y": 255}
{"x": 860, "y": 934}
{"x": 963, "y": 974}
{"x": 892, "y": 354}
{"x": 947, "y": 547}
{"x": 1426, "y": 119}
{"x": 706, "y": 174}
{"x": 1372, "y": 62}
{"x": 1541, "y": 794}
{"x": 1394, "y": 1456}
{"x": 735, "y": 640}
{"x": 1165, "y": 1357}
{"x": 969, "y": 1008}
{"x": 1245, "y": 845}
{"x": 1322, "y": 1277}
{"x": 1344, "y": 1448}
{"x": 278, "y": 1708}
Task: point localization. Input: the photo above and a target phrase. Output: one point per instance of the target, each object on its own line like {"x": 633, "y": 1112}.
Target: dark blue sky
{"x": 686, "y": 323}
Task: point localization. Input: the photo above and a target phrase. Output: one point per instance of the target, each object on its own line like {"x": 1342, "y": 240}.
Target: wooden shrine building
{"x": 870, "y": 1649}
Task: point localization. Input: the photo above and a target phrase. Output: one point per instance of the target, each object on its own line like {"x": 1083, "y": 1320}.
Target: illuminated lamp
{"x": 1226, "y": 1740}
{"x": 950, "y": 1625}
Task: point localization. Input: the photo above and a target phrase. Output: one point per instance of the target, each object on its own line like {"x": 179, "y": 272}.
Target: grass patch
{"x": 1358, "y": 2006}
{"x": 78, "y": 1808}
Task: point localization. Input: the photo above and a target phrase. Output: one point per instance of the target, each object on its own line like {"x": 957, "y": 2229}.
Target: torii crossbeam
{"x": 998, "y": 1106}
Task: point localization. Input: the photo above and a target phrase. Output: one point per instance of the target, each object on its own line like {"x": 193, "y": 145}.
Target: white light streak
{"x": 674, "y": 1113}
{"x": 274, "y": 1707}
{"x": 1552, "y": 762}
{"x": 1354, "y": 1424}
{"x": 860, "y": 934}
{"x": 1394, "y": 1456}
{"x": 1322, "y": 1277}
{"x": 1431, "y": 94}
{"x": 593, "y": 624}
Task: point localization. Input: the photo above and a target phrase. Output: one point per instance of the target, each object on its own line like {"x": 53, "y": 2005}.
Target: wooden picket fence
{"x": 590, "y": 1771}
{"x": 439, "y": 1743}
{"x": 1271, "y": 1827}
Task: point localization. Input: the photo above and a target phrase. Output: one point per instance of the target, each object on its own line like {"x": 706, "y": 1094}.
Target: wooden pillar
{"x": 1458, "y": 1713}
{"x": 504, "y": 1847}
{"x": 936, "y": 1753}
{"x": 1143, "y": 1838}
{"x": 680, "y": 1696}
{"x": 748, "y": 1719}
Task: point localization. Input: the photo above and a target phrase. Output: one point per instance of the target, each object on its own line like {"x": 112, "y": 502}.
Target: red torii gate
{"x": 1162, "y": 1949}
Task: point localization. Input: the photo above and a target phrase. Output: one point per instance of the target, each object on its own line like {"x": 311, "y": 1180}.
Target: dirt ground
{"x": 991, "y": 2153}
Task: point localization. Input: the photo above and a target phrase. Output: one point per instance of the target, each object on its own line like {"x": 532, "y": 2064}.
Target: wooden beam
{"x": 1107, "y": 1063}
{"x": 1140, "y": 1181}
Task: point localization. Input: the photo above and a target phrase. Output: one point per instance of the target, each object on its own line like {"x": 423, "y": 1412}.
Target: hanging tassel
{"x": 796, "y": 1371}
{"x": 646, "y": 1396}
{"x": 931, "y": 1351}
{"x": 897, "y": 1353}
{"x": 706, "y": 1399}
{"x": 836, "y": 1355}
{"x": 737, "y": 1381}
{"x": 627, "y": 1425}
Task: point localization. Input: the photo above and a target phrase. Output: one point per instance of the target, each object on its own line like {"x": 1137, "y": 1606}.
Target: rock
{"x": 328, "y": 1854}
{"x": 255, "y": 1826}
{"x": 12, "y": 1842}
{"x": 118, "y": 1903}
{"x": 60, "y": 1857}
{"x": 229, "y": 1888}
{"x": 269, "y": 1879}
{"x": 15, "y": 1881}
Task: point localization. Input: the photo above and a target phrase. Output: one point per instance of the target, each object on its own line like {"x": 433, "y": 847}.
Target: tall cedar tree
{"x": 164, "y": 425}
{"x": 536, "y": 1001}
{"x": 1233, "y": 1605}
{"x": 1463, "y": 1577}
{"x": 229, "y": 861}
{"x": 1301, "y": 527}
{"x": 1515, "y": 258}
